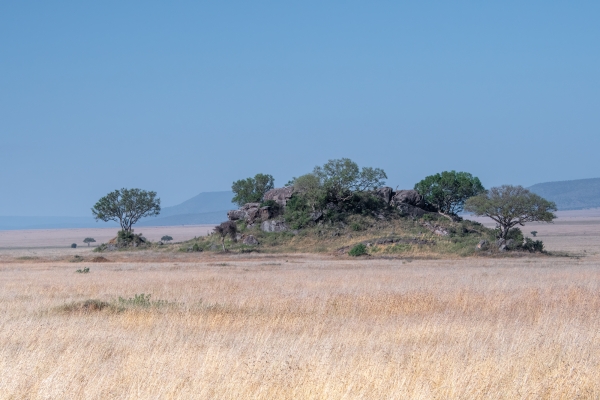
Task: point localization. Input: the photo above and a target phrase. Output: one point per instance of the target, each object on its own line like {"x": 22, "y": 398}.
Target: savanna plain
{"x": 303, "y": 326}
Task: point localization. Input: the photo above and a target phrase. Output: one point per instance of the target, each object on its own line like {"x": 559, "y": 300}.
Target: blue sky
{"x": 187, "y": 97}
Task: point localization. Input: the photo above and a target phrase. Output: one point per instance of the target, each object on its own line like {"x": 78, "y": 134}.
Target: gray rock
{"x": 250, "y": 240}
{"x": 411, "y": 197}
{"x": 315, "y": 216}
{"x": 279, "y": 195}
{"x": 266, "y": 213}
{"x": 385, "y": 193}
{"x": 412, "y": 211}
{"x": 273, "y": 226}
{"x": 235, "y": 215}
{"x": 249, "y": 206}
{"x": 437, "y": 230}
{"x": 482, "y": 245}
{"x": 253, "y": 214}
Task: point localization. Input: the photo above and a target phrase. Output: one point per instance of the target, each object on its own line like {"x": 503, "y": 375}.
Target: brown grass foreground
{"x": 301, "y": 327}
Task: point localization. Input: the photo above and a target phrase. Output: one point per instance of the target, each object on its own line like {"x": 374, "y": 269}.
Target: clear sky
{"x": 186, "y": 97}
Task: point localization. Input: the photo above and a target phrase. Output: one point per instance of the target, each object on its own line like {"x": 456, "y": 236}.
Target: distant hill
{"x": 206, "y": 202}
{"x": 17, "y": 223}
{"x": 208, "y": 218}
{"x": 571, "y": 195}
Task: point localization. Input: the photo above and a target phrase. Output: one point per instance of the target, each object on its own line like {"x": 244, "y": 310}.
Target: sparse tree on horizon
{"x": 126, "y": 206}
{"x": 89, "y": 240}
{"x": 510, "y": 206}
{"x": 166, "y": 238}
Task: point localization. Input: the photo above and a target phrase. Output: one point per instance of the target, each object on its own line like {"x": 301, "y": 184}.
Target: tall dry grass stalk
{"x": 305, "y": 328}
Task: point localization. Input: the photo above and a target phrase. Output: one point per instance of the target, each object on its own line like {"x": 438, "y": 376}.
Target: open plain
{"x": 303, "y": 325}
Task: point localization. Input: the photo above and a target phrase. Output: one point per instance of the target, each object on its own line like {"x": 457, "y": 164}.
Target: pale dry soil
{"x": 305, "y": 326}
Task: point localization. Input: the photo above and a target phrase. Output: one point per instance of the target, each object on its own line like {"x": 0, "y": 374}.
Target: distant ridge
{"x": 205, "y": 208}
{"x": 209, "y": 218}
{"x": 205, "y": 202}
{"x": 571, "y": 195}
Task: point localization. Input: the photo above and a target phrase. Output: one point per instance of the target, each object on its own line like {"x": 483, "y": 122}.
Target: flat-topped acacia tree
{"x": 510, "y": 206}
{"x": 126, "y": 206}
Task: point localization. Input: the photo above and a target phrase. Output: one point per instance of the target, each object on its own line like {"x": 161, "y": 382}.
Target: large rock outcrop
{"x": 274, "y": 226}
{"x": 279, "y": 195}
{"x": 385, "y": 193}
{"x": 411, "y": 197}
{"x": 251, "y": 213}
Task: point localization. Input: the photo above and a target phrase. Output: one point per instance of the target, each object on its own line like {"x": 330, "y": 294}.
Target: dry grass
{"x": 302, "y": 327}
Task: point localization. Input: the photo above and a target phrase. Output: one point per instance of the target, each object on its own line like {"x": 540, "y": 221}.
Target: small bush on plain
{"x": 358, "y": 250}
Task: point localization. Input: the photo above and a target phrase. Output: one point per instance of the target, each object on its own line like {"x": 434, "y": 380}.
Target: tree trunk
{"x": 223, "y": 243}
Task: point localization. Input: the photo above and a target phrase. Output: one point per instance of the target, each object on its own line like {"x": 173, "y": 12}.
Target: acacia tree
{"x": 166, "y": 238}
{"x": 510, "y": 206}
{"x": 251, "y": 190}
{"x": 89, "y": 240}
{"x": 227, "y": 228}
{"x": 126, "y": 206}
{"x": 449, "y": 190}
{"x": 341, "y": 178}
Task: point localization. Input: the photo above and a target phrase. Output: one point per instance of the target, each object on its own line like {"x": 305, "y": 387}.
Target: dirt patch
{"x": 100, "y": 259}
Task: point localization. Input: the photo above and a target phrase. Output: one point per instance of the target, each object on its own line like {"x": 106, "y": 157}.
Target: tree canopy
{"x": 342, "y": 177}
{"x": 166, "y": 238}
{"x": 510, "y": 206}
{"x": 252, "y": 190}
{"x": 89, "y": 240}
{"x": 448, "y": 191}
{"x": 126, "y": 206}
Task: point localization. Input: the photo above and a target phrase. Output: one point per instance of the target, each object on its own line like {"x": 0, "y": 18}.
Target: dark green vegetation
{"x": 358, "y": 250}
{"x": 570, "y": 195}
{"x": 89, "y": 240}
{"x": 126, "y": 206}
{"x": 449, "y": 190}
{"x": 166, "y": 238}
{"x": 333, "y": 192}
{"x": 251, "y": 190}
{"x": 510, "y": 206}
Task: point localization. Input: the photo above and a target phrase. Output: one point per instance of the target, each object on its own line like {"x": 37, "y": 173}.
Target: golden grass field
{"x": 304, "y": 326}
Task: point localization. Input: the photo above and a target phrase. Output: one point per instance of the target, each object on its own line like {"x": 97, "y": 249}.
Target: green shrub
{"x": 533, "y": 246}
{"x": 358, "y": 250}
{"x": 141, "y": 301}
{"x": 297, "y": 213}
{"x": 83, "y": 271}
{"x": 356, "y": 226}
{"x": 73, "y": 245}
